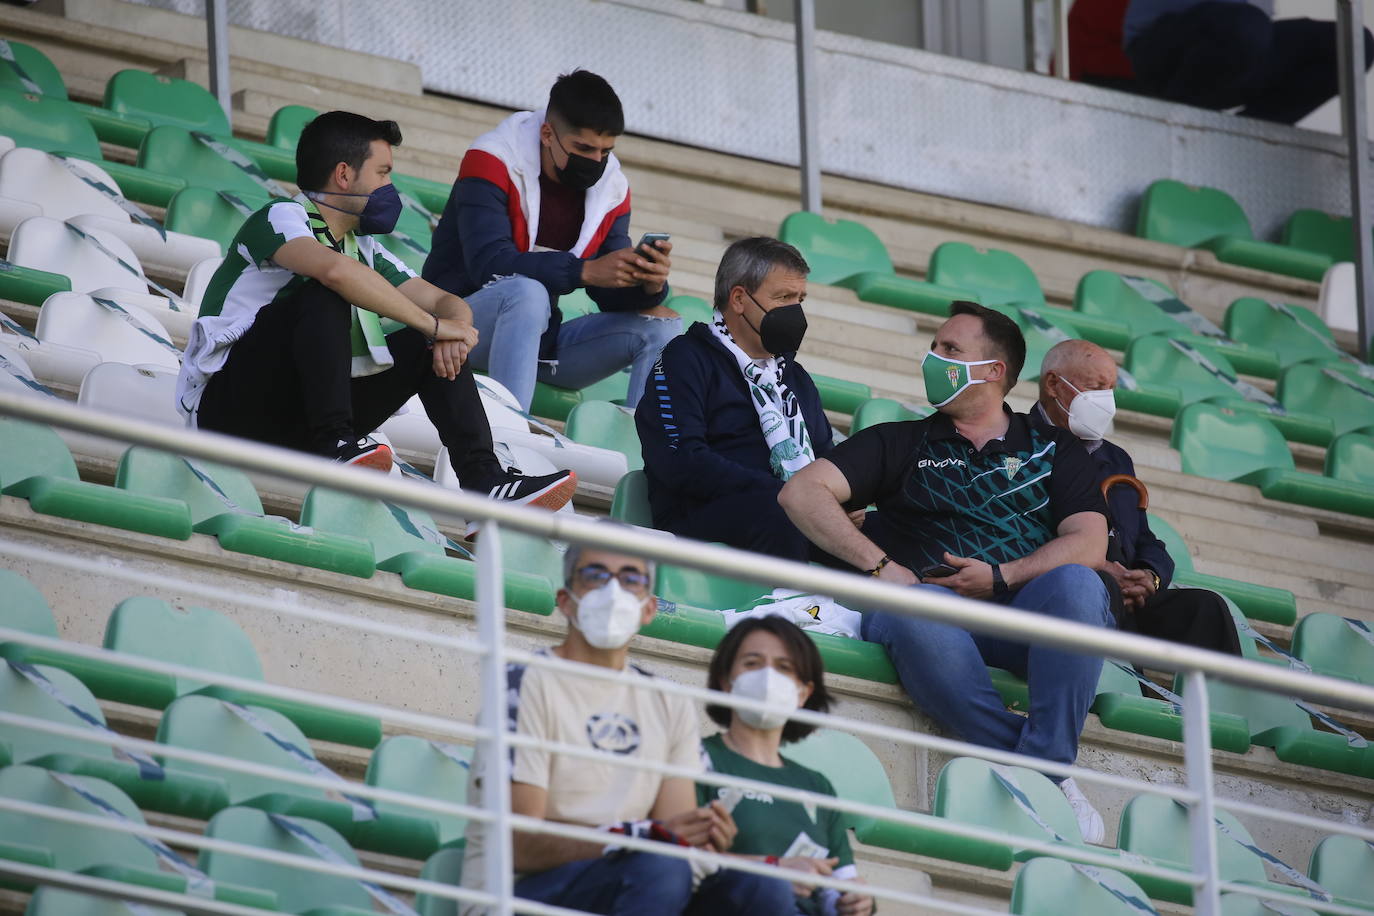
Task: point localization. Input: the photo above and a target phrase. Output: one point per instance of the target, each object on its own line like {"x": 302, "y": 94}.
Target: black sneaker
{"x": 365, "y": 452}
{"x": 552, "y": 491}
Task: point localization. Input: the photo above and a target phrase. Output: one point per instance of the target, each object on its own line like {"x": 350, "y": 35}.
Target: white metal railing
{"x": 490, "y": 732}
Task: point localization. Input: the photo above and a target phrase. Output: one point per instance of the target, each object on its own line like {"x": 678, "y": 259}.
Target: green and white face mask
{"x": 947, "y": 378}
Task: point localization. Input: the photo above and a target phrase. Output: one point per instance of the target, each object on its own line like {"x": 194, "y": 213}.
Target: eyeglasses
{"x": 596, "y": 575}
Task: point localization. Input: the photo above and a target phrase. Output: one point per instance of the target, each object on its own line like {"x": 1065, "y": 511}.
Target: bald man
{"x": 1076, "y": 382}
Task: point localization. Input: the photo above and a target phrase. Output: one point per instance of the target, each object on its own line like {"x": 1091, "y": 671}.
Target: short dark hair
{"x": 806, "y": 664}
{"x": 581, "y": 100}
{"x": 334, "y": 137}
{"x": 1008, "y": 343}
{"x": 747, "y": 263}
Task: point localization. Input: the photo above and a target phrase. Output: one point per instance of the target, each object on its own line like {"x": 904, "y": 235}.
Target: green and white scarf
{"x": 371, "y": 355}
{"x": 780, "y": 416}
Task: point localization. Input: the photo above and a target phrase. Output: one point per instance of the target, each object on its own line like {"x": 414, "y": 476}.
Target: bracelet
{"x": 879, "y": 568}
{"x": 436, "y": 330}
{"x": 771, "y": 860}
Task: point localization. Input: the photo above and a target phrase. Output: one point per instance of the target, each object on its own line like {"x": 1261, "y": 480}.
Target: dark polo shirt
{"x": 935, "y": 492}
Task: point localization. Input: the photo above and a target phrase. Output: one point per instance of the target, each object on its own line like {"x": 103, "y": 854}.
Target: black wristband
{"x": 999, "y": 585}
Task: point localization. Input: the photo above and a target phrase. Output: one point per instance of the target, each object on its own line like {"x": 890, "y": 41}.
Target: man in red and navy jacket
{"x": 541, "y": 208}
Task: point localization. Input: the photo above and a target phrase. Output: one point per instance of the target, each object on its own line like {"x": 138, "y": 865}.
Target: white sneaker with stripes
{"x": 551, "y": 491}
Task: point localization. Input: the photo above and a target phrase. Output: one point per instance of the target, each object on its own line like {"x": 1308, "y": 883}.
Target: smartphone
{"x": 648, "y": 239}
{"x": 938, "y": 571}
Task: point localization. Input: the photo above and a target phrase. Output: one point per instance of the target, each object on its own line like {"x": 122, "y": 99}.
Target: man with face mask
{"x": 729, "y": 413}
{"x": 290, "y": 346}
{"x": 606, "y": 598}
{"x": 1076, "y": 382}
{"x": 982, "y": 502}
{"x": 540, "y": 209}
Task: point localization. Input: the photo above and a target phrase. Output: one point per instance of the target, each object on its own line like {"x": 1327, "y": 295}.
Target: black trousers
{"x": 288, "y": 382}
{"x": 1223, "y": 55}
{"x": 1191, "y": 616}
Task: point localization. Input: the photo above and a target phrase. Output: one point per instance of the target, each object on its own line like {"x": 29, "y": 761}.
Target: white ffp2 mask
{"x": 771, "y": 686}
{"x": 608, "y": 616}
{"x": 1090, "y": 413}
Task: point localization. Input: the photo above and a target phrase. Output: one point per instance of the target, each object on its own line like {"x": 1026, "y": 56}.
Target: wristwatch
{"x": 1155, "y": 576}
{"x": 999, "y": 585}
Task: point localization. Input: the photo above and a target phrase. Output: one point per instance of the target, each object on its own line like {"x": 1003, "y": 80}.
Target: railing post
{"x": 491, "y": 630}
{"x": 808, "y": 106}
{"x": 1197, "y": 762}
{"x": 1350, "y": 65}
{"x": 217, "y": 46}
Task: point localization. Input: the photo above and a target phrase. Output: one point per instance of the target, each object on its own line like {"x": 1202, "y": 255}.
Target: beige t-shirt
{"x": 554, "y": 707}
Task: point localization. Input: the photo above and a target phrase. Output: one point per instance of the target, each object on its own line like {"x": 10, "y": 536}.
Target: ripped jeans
{"x": 511, "y": 315}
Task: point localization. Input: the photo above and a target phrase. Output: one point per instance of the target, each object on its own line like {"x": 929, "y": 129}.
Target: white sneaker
{"x": 1090, "y": 823}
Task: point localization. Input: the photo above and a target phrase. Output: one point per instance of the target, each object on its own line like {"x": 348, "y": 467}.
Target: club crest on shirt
{"x": 1012, "y": 465}
{"x": 613, "y": 732}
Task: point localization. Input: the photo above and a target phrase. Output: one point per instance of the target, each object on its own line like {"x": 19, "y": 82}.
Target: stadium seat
{"x": 1224, "y": 444}
{"x": 224, "y": 503}
{"x": 1053, "y": 887}
{"x": 536, "y": 563}
{"x": 1257, "y": 602}
{"x": 1121, "y": 703}
{"x": 30, "y": 285}
{"x": 847, "y": 254}
{"x": 605, "y": 425}
{"x": 284, "y": 130}
{"x": 212, "y": 215}
{"x": 1332, "y": 645}
{"x": 297, "y": 890}
{"x": 1320, "y": 233}
{"x": 405, "y": 763}
{"x": 1346, "y": 400}
{"x": 38, "y": 467}
{"x": 171, "y": 150}
{"x": 967, "y": 791}
{"x": 1343, "y": 865}
{"x": 884, "y": 410}
{"x": 432, "y": 195}
{"x": 1351, "y": 458}
{"x": 841, "y": 395}
{"x": 631, "y": 501}
{"x": 54, "y": 901}
{"x": 44, "y": 243}
{"x": 1159, "y": 362}
{"x": 78, "y": 320}
{"x": 1260, "y": 324}
{"x": 37, "y": 67}
{"x": 47, "y": 123}
{"x": 25, "y": 609}
{"x": 1337, "y": 303}
{"x": 1238, "y": 904}
{"x": 1041, "y": 330}
{"x": 1201, "y": 217}
{"x": 144, "y": 392}
{"x": 198, "y": 280}
{"x": 699, "y": 589}
{"x": 444, "y": 867}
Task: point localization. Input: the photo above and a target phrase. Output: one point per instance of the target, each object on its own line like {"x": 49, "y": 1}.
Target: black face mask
{"x": 782, "y": 328}
{"x": 581, "y": 172}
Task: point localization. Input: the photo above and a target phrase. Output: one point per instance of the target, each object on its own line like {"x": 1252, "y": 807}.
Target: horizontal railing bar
{"x": 1292, "y": 817}
{"x": 1299, "y": 899}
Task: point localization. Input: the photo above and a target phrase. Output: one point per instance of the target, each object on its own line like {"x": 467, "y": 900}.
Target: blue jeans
{"x": 512, "y": 314}
{"x": 942, "y": 668}
{"x": 636, "y": 883}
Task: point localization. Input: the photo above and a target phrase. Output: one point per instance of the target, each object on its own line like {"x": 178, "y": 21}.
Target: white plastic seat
{"x": 198, "y": 278}
{"x": 47, "y": 244}
{"x": 52, "y": 363}
{"x": 144, "y": 392}
{"x": 177, "y": 321}
{"x": 77, "y": 320}
{"x": 410, "y": 429}
{"x": 14, "y": 368}
{"x": 6, "y": 144}
{"x": 1337, "y": 304}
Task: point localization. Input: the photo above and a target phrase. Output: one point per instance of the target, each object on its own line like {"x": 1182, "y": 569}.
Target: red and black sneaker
{"x": 365, "y": 453}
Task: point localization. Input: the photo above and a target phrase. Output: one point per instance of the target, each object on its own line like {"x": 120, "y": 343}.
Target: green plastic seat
{"x": 407, "y": 541}
{"x": 444, "y": 867}
{"x": 1155, "y": 360}
{"x": 692, "y": 309}
{"x": 603, "y": 424}
{"x": 841, "y": 395}
{"x": 884, "y": 410}
{"x": 1225, "y": 444}
{"x": 1342, "y": 865}
{"x": 631, "y": 501}
{"x": 171, "y": 150}
{"x": 108, "y": 854}
{"x": 37, "y": 67}
{"x": 1351, "y": 458}
{"x": 1320, "y": 233}
{"x": 25, "y": 609}
{"x": 554, "y": 403}
{"x": 534, "y": 571}
{"x": 1157, "y": 828}
{"x": 1041, "y": 329}
{"x": 1202, "y": 217}
{"x": 1053, "y": 887}
{"x": 228, "y": 507}
{"x": 967, "y": 791}
{"x": 30, "y": 286}
{"x": 1257, "y": 602}
{"x": 284, "y": 130}
{"x": 297, "y": 890}
{"x": 410, "y": 248}
{"x": 405, "y": 763}
{"x": 1237, "y": 904}
{"x": 48, "y": 123}
{"x": 204, "y": 213}
{"x": 38, "y": 467}
{"x": 848, "y": 254}
{"x": 159, "y": 99}
{"x": 1257, "y": 323}
{"x": 1308, "y": 387}
{"x": 430, "y": 194}
{"x": 54, "y": 901}
{"x": 1330, "y": 645}
{"x": 701, "y": 589}
{"x": 858, "y": 775}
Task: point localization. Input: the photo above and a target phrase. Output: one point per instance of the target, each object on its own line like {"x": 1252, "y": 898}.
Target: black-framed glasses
{"x": 595, "y": 575}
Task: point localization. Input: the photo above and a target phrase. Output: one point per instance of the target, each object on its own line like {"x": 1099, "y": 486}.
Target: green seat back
{"x": 37, "y": 67}
{"x": 531, "y": 554}
{"x": 155, "y": 473}
{"x": 204, "y": 213}
{"x": 74, "y": 847}
{"x": 691, "y": 308}
{"x": 385, "y": 525}
{"x": 1053, "y": 887}
{"x": 171, "y": 150}
{"x": 19, "y": 696}
{"x": 444, "y": 867}
{"x": 165, "y": 100}
{"x": 24, "y": 607}
{"x": 298, "y": 891}
{"x": 1263, "y": 711}
{"x": 406, "y": 763}
{"x": 1324, "y": 233}
{"x": 1158, "y": 828}
{"x": 1237, "y": 904}
{"x": 1188, "y": 215}
{"x": 284, "y": 130}
{"x": 54, "y": 901}
{"x": 1154, "y": 361}
{"x": 1225, "y": 444}
{"x": 851, "y": 766}
{"x": 1351, "y": 457}
{"x": 699, "y": 589}
{"x": 997, "y": 277}
{"x": 33, "y": 451}
{"x": 1253, "y": 321}
{"x": 1343, "y": 865}
{"x": 576, "y": 304}
{"x": 631, "y": 502}
{"x": 48, "y": 123}
{"x": 884, "y": 410}
{"x": 835, "y": 249}
{"x": 197, "y": 637}
{"x": 1331, "y": 646}
{"x": 966, "y": 791}
{"x": 1038, "y": 341}
{"x": 605, "y": 425}
{"x": 206, "y": 724}
{"x": 1105, "y": 293}
{"x": 1306, "y": 387}
{"x": 1173, "y": 543}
